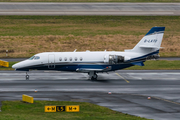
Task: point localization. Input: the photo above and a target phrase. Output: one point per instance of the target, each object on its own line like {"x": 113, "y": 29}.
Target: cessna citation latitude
{"x": 99, "y": 61}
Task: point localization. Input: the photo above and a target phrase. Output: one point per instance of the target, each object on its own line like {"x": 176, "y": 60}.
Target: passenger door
{"x": 51, "y": 61}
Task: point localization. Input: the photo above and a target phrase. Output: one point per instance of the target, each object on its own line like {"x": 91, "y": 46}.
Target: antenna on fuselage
{"x": 75, "y": 50}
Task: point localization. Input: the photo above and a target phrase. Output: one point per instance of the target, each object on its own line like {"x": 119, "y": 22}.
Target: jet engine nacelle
{"x": 115, "y": 59}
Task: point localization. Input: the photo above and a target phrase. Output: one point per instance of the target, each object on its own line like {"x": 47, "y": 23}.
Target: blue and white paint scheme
{"x": 93, "y": 62}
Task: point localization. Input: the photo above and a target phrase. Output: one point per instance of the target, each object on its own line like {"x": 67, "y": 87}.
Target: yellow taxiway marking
{"x": 122, "y": 78}
{"x": 166, "y": 100}
{"x": 157, "y": 98}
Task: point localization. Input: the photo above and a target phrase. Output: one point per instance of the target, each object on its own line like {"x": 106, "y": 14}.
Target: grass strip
{"x": 17, "y": 110}
{"x": 149, "y": 65}
{"x": 85, "y": 25}
{"x": 158, "y": 65}
{"x": 28, "y": 35}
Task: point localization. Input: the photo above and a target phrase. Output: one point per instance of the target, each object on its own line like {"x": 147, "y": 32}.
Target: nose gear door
{"x": 51, "y": 61}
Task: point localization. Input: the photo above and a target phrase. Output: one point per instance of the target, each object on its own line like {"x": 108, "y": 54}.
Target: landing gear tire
{"x": 27, "y": 76}
{"x": 94, "y": 77}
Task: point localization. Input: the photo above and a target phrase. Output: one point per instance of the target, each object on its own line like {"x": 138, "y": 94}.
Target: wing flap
{"x": 92, "y": 69}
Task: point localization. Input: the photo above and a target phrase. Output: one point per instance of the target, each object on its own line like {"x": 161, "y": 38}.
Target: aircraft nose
{"x": 15, "y": 66}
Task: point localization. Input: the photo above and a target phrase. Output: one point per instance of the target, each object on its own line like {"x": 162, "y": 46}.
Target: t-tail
{"x": 151, "y": 43}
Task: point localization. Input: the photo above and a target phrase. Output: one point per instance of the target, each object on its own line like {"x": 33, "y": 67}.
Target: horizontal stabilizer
{"x": 138, "y": 63}
{"x": 147, "y": 46}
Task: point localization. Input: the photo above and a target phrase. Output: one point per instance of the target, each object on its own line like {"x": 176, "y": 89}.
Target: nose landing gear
{"x": 27, "y": 76}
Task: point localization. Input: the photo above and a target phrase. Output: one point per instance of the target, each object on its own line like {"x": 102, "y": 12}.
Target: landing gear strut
{"x": 27, "y": 76}
{"x": 93, "y": 75}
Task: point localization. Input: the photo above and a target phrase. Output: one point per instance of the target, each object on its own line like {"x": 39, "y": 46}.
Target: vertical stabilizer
{"x": 151, "y": 42}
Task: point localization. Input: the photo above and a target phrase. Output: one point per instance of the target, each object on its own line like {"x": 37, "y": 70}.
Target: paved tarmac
{"x": 130, "y": 90}
{"x": 146, "y": 9}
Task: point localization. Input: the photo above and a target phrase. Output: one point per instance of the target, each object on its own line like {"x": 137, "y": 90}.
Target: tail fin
{"x": 151, "y": 42}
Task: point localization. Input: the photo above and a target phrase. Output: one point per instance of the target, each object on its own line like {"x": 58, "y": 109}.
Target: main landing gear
{"x": 27, "y": 76}
{"x": 93, "y": 75}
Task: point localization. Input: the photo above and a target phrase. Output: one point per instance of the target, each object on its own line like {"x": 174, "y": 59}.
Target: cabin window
{"x": 70, "y": 58}
{"x": 81, "y": 58}
{"x": 60, "y": 59}
{"x": 65, "y": 59}
{"x": 75, "y": 58}
{"x": 36, "y": 58}
{"x": 31, "y": 58}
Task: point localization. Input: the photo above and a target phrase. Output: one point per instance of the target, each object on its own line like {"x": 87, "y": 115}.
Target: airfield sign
{"x": 68, "y": 108}
{"x": 50, "y": 108}
{"x": 72, "y": 108}
{"x": 4, "y": 63}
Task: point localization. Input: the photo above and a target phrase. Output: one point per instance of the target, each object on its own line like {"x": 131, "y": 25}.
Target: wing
{"x": 92, "y": 69}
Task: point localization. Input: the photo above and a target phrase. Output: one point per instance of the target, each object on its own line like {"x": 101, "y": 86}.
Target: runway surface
{"x": 130, "y": 90}
{"x": 89, "y": 8}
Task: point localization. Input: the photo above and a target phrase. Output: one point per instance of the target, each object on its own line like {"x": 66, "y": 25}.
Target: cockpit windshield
{"x": 34, "y": 57}
{"x": 31, "y": 58}
{"x": 37, "y": 57}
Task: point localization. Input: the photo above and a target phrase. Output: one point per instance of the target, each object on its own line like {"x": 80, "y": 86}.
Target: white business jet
{"x": 96, "y": 61}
